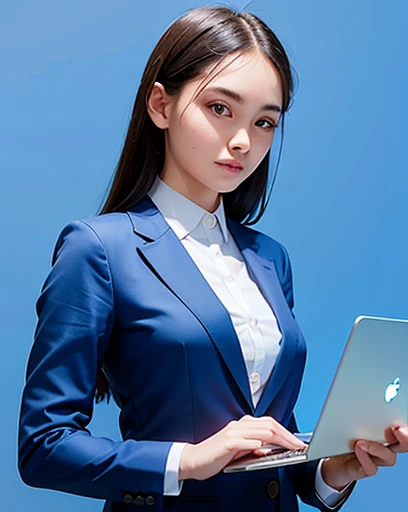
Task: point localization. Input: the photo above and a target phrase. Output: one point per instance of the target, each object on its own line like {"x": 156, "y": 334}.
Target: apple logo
{"x": 391, "y": 391}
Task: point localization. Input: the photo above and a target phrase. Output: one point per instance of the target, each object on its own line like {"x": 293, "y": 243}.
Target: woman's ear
{"x": 158, "y": 105}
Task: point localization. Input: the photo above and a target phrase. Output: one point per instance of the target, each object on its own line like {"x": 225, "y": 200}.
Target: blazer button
{"x": 273, "y": 489}
{"x": 149, "y": 500}
{"x": 139, "y": 500}
{"x": 128, "y": 498}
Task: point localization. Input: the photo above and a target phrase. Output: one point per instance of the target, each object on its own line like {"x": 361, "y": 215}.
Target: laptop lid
{"x": 369, "y": 391}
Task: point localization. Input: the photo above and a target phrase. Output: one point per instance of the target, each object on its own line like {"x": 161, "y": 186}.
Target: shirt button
{"x": 229, "y": 278}
{"x": 255, "y": 381}
{"x": 253, "y": 322}
{"x": 209, "y": 221}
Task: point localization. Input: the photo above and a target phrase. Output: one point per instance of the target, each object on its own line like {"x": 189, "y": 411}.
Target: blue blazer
{"x": 124, "y": 293}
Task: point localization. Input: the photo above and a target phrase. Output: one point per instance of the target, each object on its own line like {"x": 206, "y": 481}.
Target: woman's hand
{"x": 368, "y": 456}
{"x": 238, "y": 438}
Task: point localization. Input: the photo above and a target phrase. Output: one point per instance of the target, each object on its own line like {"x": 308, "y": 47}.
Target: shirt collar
{"x": 182, "y": 214}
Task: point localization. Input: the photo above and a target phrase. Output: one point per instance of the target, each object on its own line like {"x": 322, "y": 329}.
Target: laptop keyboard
{"x": 283, "y": 454}
{"x": 276, "y": 454}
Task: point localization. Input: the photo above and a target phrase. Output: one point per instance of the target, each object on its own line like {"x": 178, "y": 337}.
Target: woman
{"x": 182, "y": 308}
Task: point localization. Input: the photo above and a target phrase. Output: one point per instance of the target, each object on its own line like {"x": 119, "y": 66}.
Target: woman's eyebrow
{"x": 237, "y": 97}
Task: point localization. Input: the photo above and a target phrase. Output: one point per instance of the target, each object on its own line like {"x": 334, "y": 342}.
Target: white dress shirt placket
{"x": 235, "y": 285}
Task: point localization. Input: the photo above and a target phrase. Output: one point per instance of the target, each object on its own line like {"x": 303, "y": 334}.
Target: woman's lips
{"x": 230, "y": 169}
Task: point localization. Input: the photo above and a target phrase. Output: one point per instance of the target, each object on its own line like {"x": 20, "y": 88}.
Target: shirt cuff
{"x": 328, "y": 495}
{"x": 172, "y": 487}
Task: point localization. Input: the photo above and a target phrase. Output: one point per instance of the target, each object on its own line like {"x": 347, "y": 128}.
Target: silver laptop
{"x": 369, "y": 393}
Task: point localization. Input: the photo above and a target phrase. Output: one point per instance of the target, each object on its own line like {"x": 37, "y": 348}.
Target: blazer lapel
{"x": 168, "y": 258}
{"x": 184, "y": 279}
{"x": 263, "y": 273}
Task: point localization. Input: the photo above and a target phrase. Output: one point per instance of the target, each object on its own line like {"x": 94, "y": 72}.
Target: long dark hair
{"x": 200, "y": 38}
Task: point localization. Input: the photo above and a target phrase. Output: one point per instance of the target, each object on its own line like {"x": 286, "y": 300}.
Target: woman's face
{"x": 217, "y": 127}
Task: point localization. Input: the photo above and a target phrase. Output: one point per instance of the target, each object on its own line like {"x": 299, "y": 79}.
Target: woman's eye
{"x": 272, "y": 126}
{"x": 221, "y": 107}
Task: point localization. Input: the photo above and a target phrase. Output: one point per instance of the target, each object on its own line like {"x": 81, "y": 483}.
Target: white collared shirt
{"x": 212, "y": 248}
{"x": 210, "y": 245}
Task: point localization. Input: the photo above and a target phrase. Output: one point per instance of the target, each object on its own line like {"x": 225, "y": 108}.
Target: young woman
{"x": 172, "y": 303}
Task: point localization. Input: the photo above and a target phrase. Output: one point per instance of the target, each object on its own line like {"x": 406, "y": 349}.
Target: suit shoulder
{"x": 107, "y": 227}
{"x": 268, "y": 247}
{"x": 273, "y": 250}
{"x": 86, "y": 234}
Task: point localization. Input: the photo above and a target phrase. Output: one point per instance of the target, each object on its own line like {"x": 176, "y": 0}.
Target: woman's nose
{"x": 240, "y": 141}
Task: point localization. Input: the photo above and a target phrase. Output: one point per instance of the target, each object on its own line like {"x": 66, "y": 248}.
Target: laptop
{"x": 369, "y": 393}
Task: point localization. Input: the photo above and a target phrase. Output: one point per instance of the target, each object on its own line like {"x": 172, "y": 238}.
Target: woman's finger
{"x": 368, "y": 466}
{"x": 390, "y": 436}
{"x": 262, "y": 434}
{"x": 280, "y": 435}
{"x": 291, "y": 442}
{"x": 380, "y": 454}
{"x": 284, "y": 437}
{"x": 401, "y": 435}
{"x": 239, "y": 444}
{"x": 241, "y": 454}
{"x": 268, "y": 436}
{"x": 259, "y": 453}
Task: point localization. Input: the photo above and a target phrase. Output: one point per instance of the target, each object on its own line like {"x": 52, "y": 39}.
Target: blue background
{"x": 69, "y": 73}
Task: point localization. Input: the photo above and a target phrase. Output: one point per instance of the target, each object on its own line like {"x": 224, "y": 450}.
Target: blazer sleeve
{"x": 75, "y": 312}
{"x": 303, "y": 475}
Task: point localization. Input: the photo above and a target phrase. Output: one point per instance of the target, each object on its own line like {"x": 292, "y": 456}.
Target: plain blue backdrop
{"x": 68, "y": 76}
